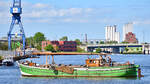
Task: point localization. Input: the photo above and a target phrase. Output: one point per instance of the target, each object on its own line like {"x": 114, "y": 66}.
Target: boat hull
{"x": 117, "y": 71}
{"x": 9, "y": 63}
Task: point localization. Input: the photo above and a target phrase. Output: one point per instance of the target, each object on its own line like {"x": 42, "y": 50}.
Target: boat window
{"x": 90, "y": 61}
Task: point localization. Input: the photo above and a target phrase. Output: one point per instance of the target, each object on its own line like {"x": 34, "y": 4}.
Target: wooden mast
{"x": 46, "y": 60}
{"x": 49, "y": 59}
{"x": 53, "y": 59}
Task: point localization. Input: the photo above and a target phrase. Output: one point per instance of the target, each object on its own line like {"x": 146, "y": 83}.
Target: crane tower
{"x": 16, "y": 11}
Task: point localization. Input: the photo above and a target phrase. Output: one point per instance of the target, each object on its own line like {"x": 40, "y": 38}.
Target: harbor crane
{"x": 16, "y": 11}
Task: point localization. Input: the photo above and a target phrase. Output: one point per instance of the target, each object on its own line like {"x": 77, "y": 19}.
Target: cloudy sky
{"x": 74, "y": 18}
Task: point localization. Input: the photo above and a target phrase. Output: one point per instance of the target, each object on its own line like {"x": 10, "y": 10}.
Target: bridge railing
{"x": 112, "y": 44}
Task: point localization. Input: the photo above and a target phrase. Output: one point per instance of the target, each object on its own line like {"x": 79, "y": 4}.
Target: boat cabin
{"x": 93, "y": 62}
{"x": 101, "y": 61}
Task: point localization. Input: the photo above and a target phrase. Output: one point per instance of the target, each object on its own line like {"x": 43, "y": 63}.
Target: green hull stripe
{"x": 132, "y": 71}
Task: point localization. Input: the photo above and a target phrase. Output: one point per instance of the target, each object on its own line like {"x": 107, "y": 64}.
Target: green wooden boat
{"x": 93, "y": 68}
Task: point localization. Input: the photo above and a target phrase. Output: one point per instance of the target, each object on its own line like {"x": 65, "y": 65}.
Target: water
{"x": 11, "y": 75}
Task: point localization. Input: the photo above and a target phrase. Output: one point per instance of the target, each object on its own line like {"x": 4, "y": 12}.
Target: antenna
{"x": 143, "y": 36}
{"x": 86, "y": 38}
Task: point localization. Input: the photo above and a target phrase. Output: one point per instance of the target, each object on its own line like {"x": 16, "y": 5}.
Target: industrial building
{"x": 66, "y": 46}
{"x": 111, "y": 34}
{"x": 126, "y": 29}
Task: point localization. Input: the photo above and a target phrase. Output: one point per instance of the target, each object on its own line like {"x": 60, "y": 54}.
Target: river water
{"x": 11, "y": 75}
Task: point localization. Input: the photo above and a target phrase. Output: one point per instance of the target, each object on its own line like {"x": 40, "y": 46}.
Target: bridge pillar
{"x": 90, "y": 49}
{"x": 122, "y": 49}
{"x": 116, "y": 50}
{"x": 146, "y": 48}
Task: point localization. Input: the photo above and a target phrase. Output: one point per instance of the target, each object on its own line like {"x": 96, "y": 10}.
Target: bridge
{"x": 5, "y": 39}
{"x": 92, "y": 41}
{"x": 116, "y": 47}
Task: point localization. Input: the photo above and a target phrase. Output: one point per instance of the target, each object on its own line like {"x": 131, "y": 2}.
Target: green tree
{"x": 4, "y": 46}
{"x": 112, "y": 42}
{"x": 64, "y": 38}
{"x": 38, "y": 38}
{"x": 1, "y": 57}
{"x": 137, "y": 49}
{"x": 38, "y": 47}
{"x": 80, "y": 49}
{"x": 124, "y": 42}
{"x": 78, "y": 41}
{"x": 30, "y": 41}
{"x": 141, "y": 49}
{"x": 98, "y": 50}
{"x": 102, "y": 42}
{"x": 126, "y": 49}
{"x": 57, "y": 49}
{"x": 132, "y": 49}
{"x": 49, "y": 48}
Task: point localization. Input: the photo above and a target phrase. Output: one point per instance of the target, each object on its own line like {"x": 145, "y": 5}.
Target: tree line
{"x": 36, "y": 42}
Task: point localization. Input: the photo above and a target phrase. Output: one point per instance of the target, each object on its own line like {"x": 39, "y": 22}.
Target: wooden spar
{"x": 49, "y": 59}
{"x": 46, "y": 60}
{"x": 66, "y": 53}
{"x": 53, "y": 59}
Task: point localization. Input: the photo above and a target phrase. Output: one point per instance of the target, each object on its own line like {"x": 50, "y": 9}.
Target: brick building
{"x": 66, "y": 46}
{"x": 131, "y": 38}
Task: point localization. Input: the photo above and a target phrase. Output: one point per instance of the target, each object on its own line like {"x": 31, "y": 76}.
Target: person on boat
{"x": 109, "y": 60}
{"x": 106, "y": 59}
{"x": 101, "y": 60}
